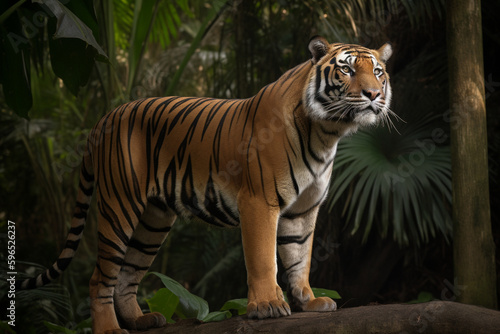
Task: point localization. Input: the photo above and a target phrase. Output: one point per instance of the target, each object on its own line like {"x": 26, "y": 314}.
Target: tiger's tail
{"x": 83, "y": 199}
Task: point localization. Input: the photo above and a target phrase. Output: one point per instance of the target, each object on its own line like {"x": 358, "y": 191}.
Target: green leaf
{"x": 190, "y": 306}
{"x": 325, "y": 293}
{"x": 87, "y": 323}
{"x": 217, "y": 316}
{"x": 423, "y": 297}
{"x": 71, "y": 61}
{"x": 15, "y": 69}
{"x": 218, "y": 7}
{"x": 141, "y": 28}
{"x": 165, "y": 302}
{"x": 5, "y": 328}
{"x": 58, "y": 329}
{"x": 240, "y": 305}
{"x": 70, "y": 26}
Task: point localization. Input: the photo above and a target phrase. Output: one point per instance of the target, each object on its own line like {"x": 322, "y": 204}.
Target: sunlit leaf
{"x": 165, "y": 302}
{"x": 325, "y": 293}
{"x": 190, "y": 306}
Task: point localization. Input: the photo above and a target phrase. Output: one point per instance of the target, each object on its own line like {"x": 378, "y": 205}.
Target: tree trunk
{"x": 434, "y": 317}
{"x": 473, "y": 247}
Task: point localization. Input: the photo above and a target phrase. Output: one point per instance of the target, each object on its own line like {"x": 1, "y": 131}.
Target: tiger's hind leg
{"x": 295, "y": 240}
{"x": 115, "y": 228}
{"x": 155, "y": 223}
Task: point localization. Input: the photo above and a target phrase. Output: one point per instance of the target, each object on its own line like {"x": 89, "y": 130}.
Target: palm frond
{"x": 400, "y": 181}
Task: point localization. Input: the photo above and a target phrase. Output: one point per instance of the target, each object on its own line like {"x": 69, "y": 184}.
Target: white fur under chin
{"x": 365, "y": 118}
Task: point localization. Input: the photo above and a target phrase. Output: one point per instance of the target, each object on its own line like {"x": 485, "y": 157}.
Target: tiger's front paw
{"x": 320, "y": 304}
{"x": 150, "y": 320}
{"x": 268, "y": 309}
{"x": 274, "y": 306}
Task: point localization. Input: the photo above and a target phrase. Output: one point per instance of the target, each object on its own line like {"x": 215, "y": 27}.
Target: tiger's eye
{"x": 377, "y": 71}
{"x": 346, "y": 69}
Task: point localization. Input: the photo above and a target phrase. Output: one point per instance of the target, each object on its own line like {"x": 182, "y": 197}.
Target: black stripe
{"x": 148, "y": 157}
{"x": 192, "y": 105}
{"x": 103, "y": 274}
{"x": 114, "y": 259}
{"x": 135, "y": 182}
{"x": 76, "y": 230}
{"x": 212, "y": 200}
{"x": 211, "y": 115}
{"x": 87, "y": 192}
{"x": 80, "y": 215}
{"x": 45, "y": 279}
{"x": 83, "y": 206}
{"x": 158, "y": 202}
{"x": 261, "y": 175}
{"x": 290, "y": 215}
{"x": 72, "y": 244}
{"x": 218, "y": 134}
{"x": 309, "y": 148}
{"x": 141, "y": 247}
{"x": 86, "y": 175}
{"x": 113, "y": 220}
{"x": 107, "y": 285}
{"x": 146, "y": 109}
{"x": 104, "y": 297}
{"x": 292, "y": 175}
{"x": 302, "y": 149}
{"x": 292, "y": 239}
{"x": 228, "y": 210}
{"x": 293, "y": 265}
{"x": 136, "y": 267}
{"x": 122, "y": 178}
{"x": 281, "y": 202}
{"x": 53, "y": 273}
{"x": 321, "y": 100}
{"x": 170, "y": 177}
{"x": 129, "y": 293}
{"x": 155, "y": 229}
{"x": 110, "y": 243}
{"x": 63, "y": 263}
{"x": 318, "y": 78}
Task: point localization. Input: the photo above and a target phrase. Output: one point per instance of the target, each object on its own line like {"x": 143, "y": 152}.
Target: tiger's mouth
{"x": 348, "y": 109}
{"x": 360, "y": 112}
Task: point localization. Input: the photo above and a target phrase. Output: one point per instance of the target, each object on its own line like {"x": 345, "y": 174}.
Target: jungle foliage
{"x": 384, "y": 233}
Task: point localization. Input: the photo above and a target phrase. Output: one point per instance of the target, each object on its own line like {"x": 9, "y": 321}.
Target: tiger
{"x": 262, "y": 164}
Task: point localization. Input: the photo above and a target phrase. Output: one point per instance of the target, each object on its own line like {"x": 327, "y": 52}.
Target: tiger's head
{"x": 348, "y": 83}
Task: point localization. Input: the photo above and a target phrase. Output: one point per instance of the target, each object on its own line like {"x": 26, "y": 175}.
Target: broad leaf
{"x": 70, "y": 26}
{"x": 217, "y": 316}
{"x": 190, "y": 306}
{"x": 165, "y": 302}
{"x": 15, "y": 66}
{"x": 240, "y": 305}
{"x": 325, "y": 293}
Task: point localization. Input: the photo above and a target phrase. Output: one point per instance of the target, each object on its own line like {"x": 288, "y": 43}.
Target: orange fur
{"x": 261, "y": 163}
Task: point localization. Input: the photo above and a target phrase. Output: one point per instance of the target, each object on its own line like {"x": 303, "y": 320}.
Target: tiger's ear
{"x": 385, "y": 52}
{"x": 318, "y": 46}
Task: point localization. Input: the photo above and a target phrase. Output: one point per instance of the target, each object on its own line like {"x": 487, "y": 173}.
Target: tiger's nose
{"x": 372, "y": 94}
